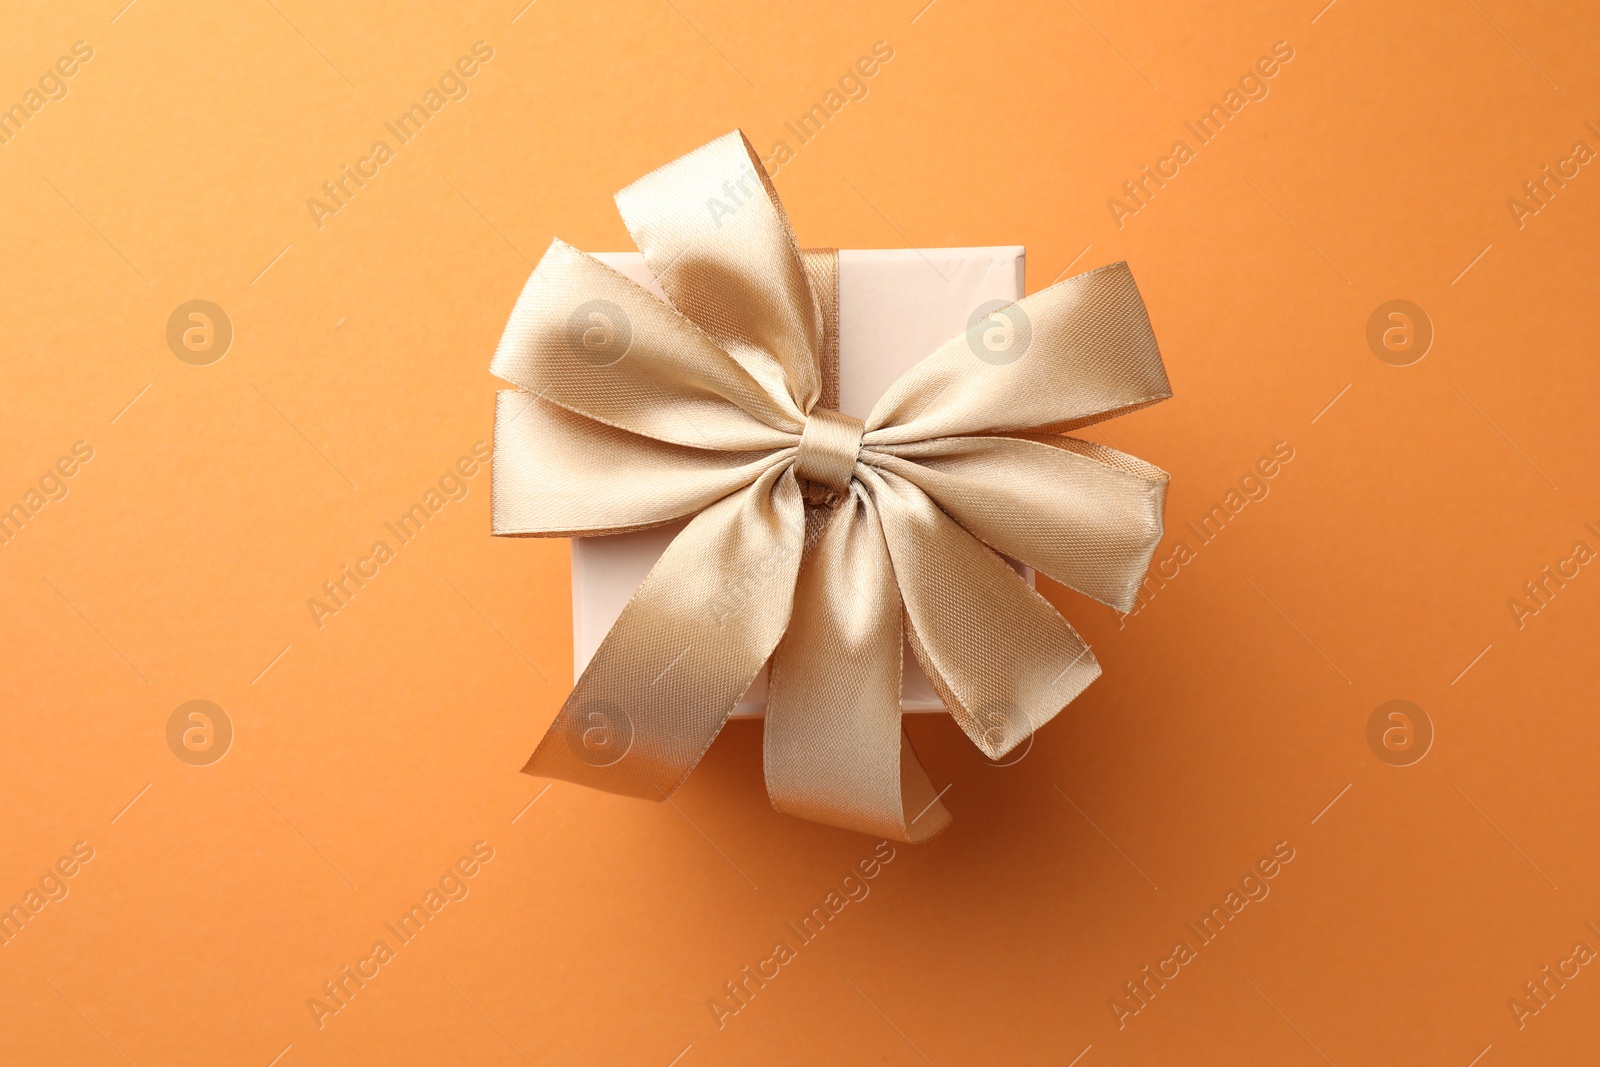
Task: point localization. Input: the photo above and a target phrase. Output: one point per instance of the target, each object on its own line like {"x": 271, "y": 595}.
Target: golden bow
{"x": 818, "y": 542}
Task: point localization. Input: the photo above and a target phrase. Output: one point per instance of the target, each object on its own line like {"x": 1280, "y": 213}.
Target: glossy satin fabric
{"x": 818, "y": 541}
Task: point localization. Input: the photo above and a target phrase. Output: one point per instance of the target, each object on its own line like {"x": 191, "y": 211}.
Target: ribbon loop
{"x": 715, "y": 234}
{"x": 1083, "y": 514}
{"x": 1079, "y": 352}
{"x": 999, "y": 656}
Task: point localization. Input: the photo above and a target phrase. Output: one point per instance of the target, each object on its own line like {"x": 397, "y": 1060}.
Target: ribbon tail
{"x": 685, "y": 648}
{"x": 835, "y": 749}
{"x": 1000, "y": 657}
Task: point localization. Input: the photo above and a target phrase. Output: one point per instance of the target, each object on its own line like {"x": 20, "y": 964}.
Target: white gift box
{"x": 895, "y": 307}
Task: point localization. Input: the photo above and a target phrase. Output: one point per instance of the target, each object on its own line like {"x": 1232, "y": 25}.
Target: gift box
{"x": 836, "y": 553}
{"x": 896, "y": 305}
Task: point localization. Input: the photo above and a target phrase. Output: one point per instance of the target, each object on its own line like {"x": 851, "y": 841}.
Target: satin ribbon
{"x": 818, "y": 542}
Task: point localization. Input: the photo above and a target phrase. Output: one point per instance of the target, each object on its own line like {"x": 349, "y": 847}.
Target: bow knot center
{"x": 828, "y": 447}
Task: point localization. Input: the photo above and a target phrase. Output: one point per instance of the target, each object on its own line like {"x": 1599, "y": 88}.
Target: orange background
{"x": 371, "y": 754}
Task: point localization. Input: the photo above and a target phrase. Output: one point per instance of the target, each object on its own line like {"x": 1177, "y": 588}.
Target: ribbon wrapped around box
{"x": 818, "y": 541}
